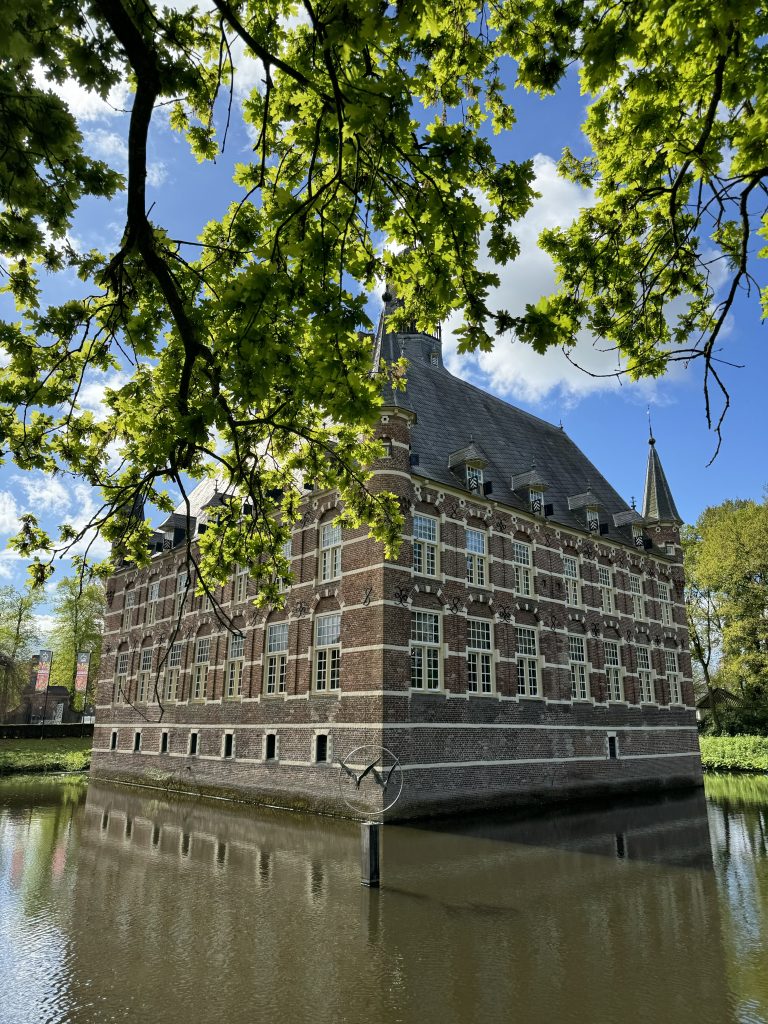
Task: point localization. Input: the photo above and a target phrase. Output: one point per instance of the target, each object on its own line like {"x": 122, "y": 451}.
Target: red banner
{"x": 44, "y": 670}
{"x": 81, "y": 677}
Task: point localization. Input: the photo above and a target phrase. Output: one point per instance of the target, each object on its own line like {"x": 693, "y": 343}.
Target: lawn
{"x": 49, "y": 755}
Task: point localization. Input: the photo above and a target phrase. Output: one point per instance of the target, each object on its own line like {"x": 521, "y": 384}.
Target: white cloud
{"x": 513, "y": 368}
{"x": 157, "y": 173}
{"x": 91, "y": 396}
{"x": 9, "y": 513}
{"x": 113, "y": 148}
{"x": 45, "y": 493}
{"x": 86, "y": 105}
{"x": 44, "y": 625}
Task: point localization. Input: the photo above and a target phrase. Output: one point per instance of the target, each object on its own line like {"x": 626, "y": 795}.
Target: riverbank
{"x": 50, "y": 755}
{"x": 734, "y": 753}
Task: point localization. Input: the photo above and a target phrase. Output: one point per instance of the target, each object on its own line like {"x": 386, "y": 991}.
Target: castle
{"x": 529, "y": 643}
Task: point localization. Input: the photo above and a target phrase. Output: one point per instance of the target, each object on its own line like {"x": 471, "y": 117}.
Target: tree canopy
{"x": 78, "y": 621}
{"x": 18, "y": 635}
{"x": 247, "y": 351}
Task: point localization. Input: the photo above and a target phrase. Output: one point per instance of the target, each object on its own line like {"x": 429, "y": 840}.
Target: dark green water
{"x": 121, "y": 905}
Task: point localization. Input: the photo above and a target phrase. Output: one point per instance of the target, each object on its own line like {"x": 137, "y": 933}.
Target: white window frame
{"x": 328, "y": 759}
{"x": 577, "y": 666}
{"x": 286, "y": 550}
{"x": 330, "y": 552}
{"x": 614, "y": 676}
{"x": 233, "y": 673}
{"x": 201, "y": 668}
{"x": 182, "y": 586}
{"x": 122, "y": 667}
{"x": 674, "y": 678}
{"x": 426, "y": 652}
{"x": 571, "y": 581}
{"x": 607, "y": 600}
{"x": 527, "y": 661}
{"x": 480, "y": 647}
{"x": 522, "y": 559}
{"x": 593, "y": 520}
{"x": 536, "y": 497}
{"x": 474, "y": 478}
{"x": 173, "y": 671}
{"x": 645, "y": 674}
{"x": 426, "y": 540}
{"x": 153, "y": 602}
{"x": 129, "y": 607}
{"x": 477, "y": 557}
{"x": 327, "y": 653}
{"x": 276, "y": 659}
{"x": 665, "y": 607}
{"x": 240, "y": 585}
{"x": 145, "y": 674}
{"x": 636, "y": 590}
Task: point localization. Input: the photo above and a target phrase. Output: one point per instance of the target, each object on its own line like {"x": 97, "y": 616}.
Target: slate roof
{"x": 658, "y": 503}
{"x": 449, "y": 412}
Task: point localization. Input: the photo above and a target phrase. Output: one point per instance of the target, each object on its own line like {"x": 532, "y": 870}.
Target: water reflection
{"x": 126, "y": 906}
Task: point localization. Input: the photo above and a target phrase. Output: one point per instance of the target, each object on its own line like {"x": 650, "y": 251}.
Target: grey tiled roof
{"x": 658, "y": 503}
{"x": 450, "y": 411}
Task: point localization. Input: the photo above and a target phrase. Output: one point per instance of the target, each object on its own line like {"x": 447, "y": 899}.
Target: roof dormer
{"x": 469, "y": 464}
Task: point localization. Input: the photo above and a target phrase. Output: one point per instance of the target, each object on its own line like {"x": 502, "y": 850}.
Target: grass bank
{"x": 734, "y": 753}
{"x": 55, "y": 755}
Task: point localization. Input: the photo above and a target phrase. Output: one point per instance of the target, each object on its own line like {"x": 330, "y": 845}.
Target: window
{"x": 145, "y": 674}
{"x": 240, "y": 589}
{"x": 172, "y": 670}
{"x": 638, "y": 538}
{"x": 120, "y": 693}
{"x": 537, "y": 501}
{"x": 613, "y": 752}
{"x": 182, "y": 585}
{"x": 164, "y": 743}
{"x": 321, "y": 748}
{"x": 193, "y": 743}
{"x": 577, "y": 662}
{"x": 673, "y": 677}
{"x": 284, "y": 582}
{"x": 521, "y": 556}
{"x": 200, "y": 669}
{"x": 330, "y": 551}
{"x": 606, "y": 589}
{"x": 270, "y": 747}
{"x": 571, "y": 574}
{"x": 479, "y": 657}
{"x": 387, "y": 445}
{"x": 425, "y": 650}
{"x": 153, "y": 602}
{"x": 527, "y": 662}
{"x": 113, "y": 741}
{"x": 664, "y": 605}
{"x": 137, "y": 743}
{"x": 613, "y": 670}
{"x": 328, "y": 652}
{"x": 128, "y": 609}
{"x": 636, "y": 590}
{"x": 593, "y": 520}
{"x": 474, "y": 479}
{"x": 229, "y": 743}
{"x": 277, "y": 658}
{"x": 476, "y": 549}
{"x": 234, "y": 670}
{"x": 206, "y": 604}
{"x": 645, "y": 676}
{"x": 425, "y": 538}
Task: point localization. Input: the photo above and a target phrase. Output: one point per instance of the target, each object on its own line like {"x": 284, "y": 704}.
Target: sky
{"x": 606, "y": 418}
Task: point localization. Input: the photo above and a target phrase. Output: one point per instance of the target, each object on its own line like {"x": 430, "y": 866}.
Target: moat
{"x": 120, "y": 904}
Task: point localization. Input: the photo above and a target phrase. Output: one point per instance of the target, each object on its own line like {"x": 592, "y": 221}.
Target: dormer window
{"x": 637, "y": 536}
{"x": 433, "y": 358}
{"x": 593, "y": 520}
{"x": 537, "y": 501}
{"x": 474, "y": 479}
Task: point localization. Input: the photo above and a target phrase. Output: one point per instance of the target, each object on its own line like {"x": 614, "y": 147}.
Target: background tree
{"x": 18, "y": 637}
{"x": 78, "y": 612}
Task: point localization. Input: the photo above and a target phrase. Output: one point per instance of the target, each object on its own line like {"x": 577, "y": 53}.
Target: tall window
{"x": 577, "y": 663}
{"x": 476, "y": 557}
{"x": 475, "y": 479}
{"x": 330, "y": 551}
{"x": 613, "y": 670}
{"x": 645, "y": 675}
{"x": 328, "y": 652}
{"x": 521, "y": 556}
{"x": 479, "y": 657}
{"x": 153, "y": 602}
{"x": 286, "y": 551}
{"x": 425, "y": 650}
{"x": 665, "y": 606}
{"x": 425, "y": 545}
{"x": 128, "y": 610}
{"x": 606, "y": 589}
{"x": 200, "y": 672}
{"x": 145, "y": 674}
{"x": 277, "y": 658}
{"x": 571, "y": 575}
{"x": 234, "y": 670}
{"x": 172, "y": 670}
{"x": 120, "y": 693}
{"x": 636, "y": 590}
{"x": 182, "y": 585}
{"x": 240, "y": 589}
{"x": 527, "y": 661}
{"x": 673, "y": 677}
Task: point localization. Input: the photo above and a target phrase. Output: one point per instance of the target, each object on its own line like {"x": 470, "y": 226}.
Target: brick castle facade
{"x": 529, "y": 643}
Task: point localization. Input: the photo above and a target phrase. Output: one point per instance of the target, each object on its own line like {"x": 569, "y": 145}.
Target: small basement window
{"x": 321, "y": 748}
{"x": 612, "y": 749}
{"x": 193, "y": 743}
{"x": 164, "y": 743}
{"x": 113, "y": 741}
{"x": 270, "y": 748}
{"x": 228, "y": 744}
{"x": 137, "y": 743}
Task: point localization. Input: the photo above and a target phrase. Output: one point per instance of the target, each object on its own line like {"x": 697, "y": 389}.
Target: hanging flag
{"x": 81, "y": 677}
{"x": 44, "y": 670}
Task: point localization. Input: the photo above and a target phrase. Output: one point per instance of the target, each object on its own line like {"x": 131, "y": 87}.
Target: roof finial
{"x": 634, "y": 506}
{"x": 651, "y": 438}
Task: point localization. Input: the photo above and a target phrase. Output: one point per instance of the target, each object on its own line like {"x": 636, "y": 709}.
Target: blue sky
{"x": 607, "y": 419}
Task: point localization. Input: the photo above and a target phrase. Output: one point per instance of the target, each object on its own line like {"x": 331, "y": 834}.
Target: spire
{"x": 658, "y": 503}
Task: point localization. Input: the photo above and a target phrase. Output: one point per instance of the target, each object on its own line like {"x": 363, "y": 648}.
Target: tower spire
{"x": 658, "y": 503}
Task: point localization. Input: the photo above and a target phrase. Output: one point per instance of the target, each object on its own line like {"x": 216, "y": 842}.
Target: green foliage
{"x": 78, "y": 610}
{"x": 18, "y": 635}
{"x": 734, "y": 753}
{"x": 749, "y": 716}
{"x": 48, "y": 755}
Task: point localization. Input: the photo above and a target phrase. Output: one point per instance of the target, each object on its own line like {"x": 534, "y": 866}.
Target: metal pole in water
{"x": 370, "y": 834}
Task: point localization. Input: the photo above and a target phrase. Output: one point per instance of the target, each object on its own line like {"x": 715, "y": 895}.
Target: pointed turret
{"x": 658, "y": 503}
